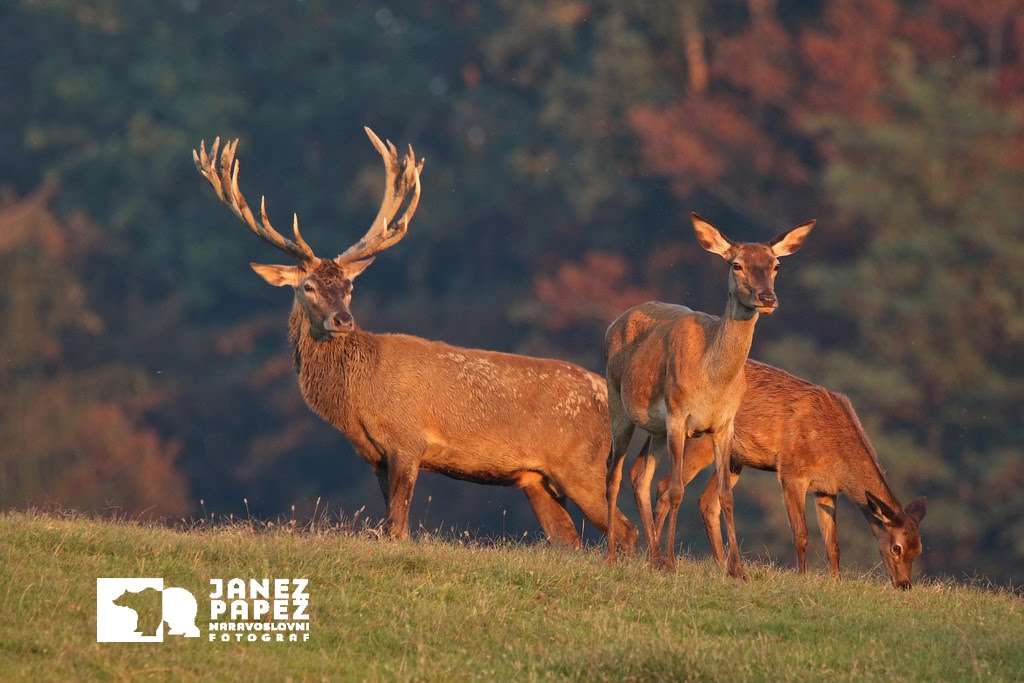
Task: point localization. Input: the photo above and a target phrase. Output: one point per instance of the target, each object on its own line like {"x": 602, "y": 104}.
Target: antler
{"x": 225, "y": 184}
{"x": 387, "y": 228}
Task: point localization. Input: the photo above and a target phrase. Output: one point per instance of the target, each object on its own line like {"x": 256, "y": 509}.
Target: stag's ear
{"x": 354, "y": 268}
{"x": 882, "y": 512}
{"x": 279, "y": 276}
{"x": 710, "y": 238}
{"x": 788, "y": 242}
{"x": 916, "y": 508}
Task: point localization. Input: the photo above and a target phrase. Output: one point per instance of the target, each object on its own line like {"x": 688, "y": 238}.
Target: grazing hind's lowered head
{"x": 898, "y": 538}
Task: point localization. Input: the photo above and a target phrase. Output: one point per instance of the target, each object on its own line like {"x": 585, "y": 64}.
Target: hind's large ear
{"x": 279, "y": 276}
{"x": 916, "y": 508}
{"x": 710, "y": 238}
{"x": 882, "y": 512}
{"x": 788, "y": 242}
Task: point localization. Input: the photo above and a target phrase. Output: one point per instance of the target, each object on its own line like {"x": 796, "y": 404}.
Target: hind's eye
{"x": 737, "y": 267}
{"x": 308, "y": 288}
{"x": 776, "y": 269}
{"x": 896, "y": 549}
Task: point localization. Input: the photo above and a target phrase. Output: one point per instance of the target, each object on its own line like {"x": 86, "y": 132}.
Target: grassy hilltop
{"x": 443, "y": 610}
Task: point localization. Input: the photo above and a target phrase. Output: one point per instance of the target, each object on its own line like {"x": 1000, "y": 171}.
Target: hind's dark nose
{"x": 769, "y": 300}
{"x": 902, "y": 585}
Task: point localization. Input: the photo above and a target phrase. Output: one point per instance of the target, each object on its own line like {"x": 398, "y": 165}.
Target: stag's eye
{"x": 737, "y": 267}
{"x": 896, "y": 549}
{"x": 776, "y": 268}
{"x": 308, "y": 288}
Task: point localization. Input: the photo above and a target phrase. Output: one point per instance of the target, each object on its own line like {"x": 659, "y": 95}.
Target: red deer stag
{"x": 812, "y": 438}
{"x": 408, "y": 404}
{"x": 678, "y": 374}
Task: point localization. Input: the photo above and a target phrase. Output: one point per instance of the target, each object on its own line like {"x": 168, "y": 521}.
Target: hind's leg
{"x": 641, "y": 474}
{"x": 622, "y": 432}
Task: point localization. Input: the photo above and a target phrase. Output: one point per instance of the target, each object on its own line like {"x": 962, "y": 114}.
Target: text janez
{"x": 259, "y": 610}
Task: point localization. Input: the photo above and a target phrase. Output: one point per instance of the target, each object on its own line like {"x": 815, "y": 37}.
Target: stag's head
{"x": 898, "y": 538}
{"x": 753, "y": 266}
{"x": 323, "y": 287}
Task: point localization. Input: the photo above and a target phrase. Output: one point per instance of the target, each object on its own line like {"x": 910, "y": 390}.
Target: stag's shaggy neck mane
{"x": 330, "y": 369}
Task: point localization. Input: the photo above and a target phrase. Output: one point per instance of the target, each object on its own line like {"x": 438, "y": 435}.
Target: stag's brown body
{"x": 813, "y": 439}
{"x": 408, "y": 404}
{"x": 485, "y": 417}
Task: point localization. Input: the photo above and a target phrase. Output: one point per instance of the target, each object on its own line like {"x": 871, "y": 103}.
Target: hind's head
{"x": 899, "y": 540}
{"x": 753, "y": 265}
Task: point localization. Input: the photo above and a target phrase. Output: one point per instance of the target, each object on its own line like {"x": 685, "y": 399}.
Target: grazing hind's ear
{"x": 882, "y": 512}
{"x": 279, "y": 276}
{"x": 916, "y": 508}
{"x": 788, "y": 242}
{"x": 710, "y": 238}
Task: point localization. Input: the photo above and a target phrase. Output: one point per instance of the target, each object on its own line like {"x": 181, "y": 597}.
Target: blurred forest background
{"x": 144, "y": 367}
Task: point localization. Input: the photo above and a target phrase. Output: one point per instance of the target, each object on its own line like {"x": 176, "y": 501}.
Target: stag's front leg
{"x": 826, "y": 507}
{"x": 676, "y": 434}
{"x": 722, "y": 441}
{"x": 401, "y": 474}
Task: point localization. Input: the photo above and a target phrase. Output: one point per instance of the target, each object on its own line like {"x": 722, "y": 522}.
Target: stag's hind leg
{"x": 551, "y": 513}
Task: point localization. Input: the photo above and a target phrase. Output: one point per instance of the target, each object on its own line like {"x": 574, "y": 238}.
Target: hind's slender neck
{"x": 729, "y": 343}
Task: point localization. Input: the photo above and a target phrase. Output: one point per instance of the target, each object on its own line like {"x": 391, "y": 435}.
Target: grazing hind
{"x": 812, "y": 438}
{"x": 678, "y": 374}
{"x": 407, "y": 404}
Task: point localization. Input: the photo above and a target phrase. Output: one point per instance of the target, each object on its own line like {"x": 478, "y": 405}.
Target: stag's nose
{"x": 768, "y": 299}
{"x": 339, "y": 321}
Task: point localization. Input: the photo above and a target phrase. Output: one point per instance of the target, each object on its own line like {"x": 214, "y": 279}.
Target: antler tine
{"x": 225, "y": 184}
{"x": 388, "y": 228}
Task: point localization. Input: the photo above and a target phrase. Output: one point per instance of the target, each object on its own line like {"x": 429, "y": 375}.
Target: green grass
{"x": 436, "y": 609}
